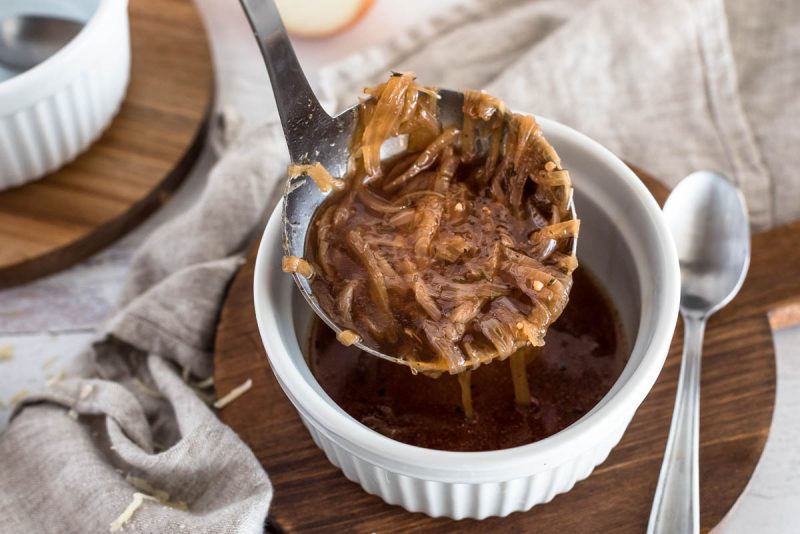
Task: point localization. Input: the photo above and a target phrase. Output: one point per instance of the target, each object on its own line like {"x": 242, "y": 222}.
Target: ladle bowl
{"x": 314, "y": 136}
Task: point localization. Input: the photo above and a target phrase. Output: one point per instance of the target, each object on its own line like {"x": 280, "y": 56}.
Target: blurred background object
{"x": 53, "y": 111}
{"x": 320, "y": 18}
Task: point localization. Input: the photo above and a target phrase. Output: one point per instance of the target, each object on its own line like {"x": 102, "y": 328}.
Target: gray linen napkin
{"x": 72, "y": 459}
{"x": 655, "y": 81}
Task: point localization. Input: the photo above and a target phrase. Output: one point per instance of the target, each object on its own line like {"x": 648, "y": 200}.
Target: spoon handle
{"x": 676, "y": 506}
{"x": 298, "y": 107}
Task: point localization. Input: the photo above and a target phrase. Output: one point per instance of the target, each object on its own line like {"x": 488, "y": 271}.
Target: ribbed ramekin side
{"x": 467, "y": 500}
{"x": 13, "y": 168}
{"x": 42, "y": 137}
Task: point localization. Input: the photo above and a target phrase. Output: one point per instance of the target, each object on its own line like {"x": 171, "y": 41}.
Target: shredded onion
{"x": 455, "y": 253}
{"x": 319, "y": 174}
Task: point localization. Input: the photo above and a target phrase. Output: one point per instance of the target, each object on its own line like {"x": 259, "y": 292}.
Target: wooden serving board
{"x": 131, "y": 170}
{"x": 738, "y": 393}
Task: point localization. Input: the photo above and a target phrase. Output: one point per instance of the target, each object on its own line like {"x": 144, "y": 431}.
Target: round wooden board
{"x": 131, "y": 170}
{"x": 737, "y": 401}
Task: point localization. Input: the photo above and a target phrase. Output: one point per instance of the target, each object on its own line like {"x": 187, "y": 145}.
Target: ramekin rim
{"x": 69, "y": 55}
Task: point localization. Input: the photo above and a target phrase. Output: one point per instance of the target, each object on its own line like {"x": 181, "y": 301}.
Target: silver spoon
{"x": 708, "y": 220}
{"x": 27, "y": 40}
{"x": 314, "y": 136}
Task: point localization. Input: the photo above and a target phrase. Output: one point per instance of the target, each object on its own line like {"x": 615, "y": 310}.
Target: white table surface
{"x": 44, "y": 325}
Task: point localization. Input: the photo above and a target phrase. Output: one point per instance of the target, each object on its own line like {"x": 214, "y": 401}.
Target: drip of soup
{"x": 525, "y": 398}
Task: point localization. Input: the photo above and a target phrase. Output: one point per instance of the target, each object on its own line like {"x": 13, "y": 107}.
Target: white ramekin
{"x": 624, "y": 241}
{"x": 54, "y": 111}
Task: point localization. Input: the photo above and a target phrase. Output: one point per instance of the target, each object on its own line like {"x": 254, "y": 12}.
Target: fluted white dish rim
{"x": 613, "y": 412}
{"x": 29, "y": 86}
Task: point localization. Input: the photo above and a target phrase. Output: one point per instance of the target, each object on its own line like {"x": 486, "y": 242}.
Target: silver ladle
{"x": 708, "y": 220}
{"x": 27, "y": 40}
{"x": 314, "y": 136}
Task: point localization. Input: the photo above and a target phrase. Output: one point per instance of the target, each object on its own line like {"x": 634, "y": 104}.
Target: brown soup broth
{"x": 584, "y": 354}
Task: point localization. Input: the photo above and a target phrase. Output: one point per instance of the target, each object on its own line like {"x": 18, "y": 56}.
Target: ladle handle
{"x": 298, "y": 107}
{"x": 676, "y": 506}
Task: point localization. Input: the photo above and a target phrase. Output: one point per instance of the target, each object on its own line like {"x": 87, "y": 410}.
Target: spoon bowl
{"x": 27, "y": 40}
{"x": 708, "y": 220}
{"x": 328, "y": 144}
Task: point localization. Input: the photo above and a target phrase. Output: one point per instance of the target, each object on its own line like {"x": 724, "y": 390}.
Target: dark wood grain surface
{"x": 738, "y": 392}
{"x": 131, "y": 170}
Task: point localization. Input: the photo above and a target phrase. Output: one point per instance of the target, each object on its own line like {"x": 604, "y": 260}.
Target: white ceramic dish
{"x": 624, "y": 242}
{"x": 54, "y": 111}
